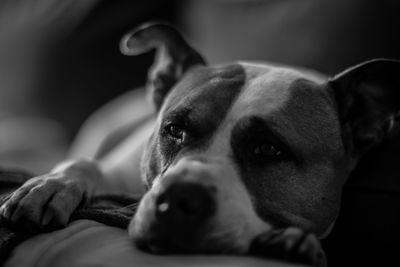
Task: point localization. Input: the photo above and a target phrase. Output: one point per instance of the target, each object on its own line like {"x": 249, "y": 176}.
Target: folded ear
{"x": 368, "y": 98}
{"x": 174, "y": 56}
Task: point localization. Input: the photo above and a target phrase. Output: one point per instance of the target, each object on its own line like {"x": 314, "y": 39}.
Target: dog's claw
{"x": 292, "y": 244}
{"x": 43, "y": 200}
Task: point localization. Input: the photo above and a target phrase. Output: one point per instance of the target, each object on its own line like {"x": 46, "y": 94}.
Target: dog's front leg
{"x": 50, "y": 199}
{"x": 290, "y": 244}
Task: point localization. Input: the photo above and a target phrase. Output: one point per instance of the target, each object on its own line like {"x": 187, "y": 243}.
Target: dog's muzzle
{"x": 175, "y": 214}
{"x": 197, "y": 206}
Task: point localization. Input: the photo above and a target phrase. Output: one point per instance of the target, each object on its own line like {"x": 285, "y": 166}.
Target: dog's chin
{"x": 152, "y": 238}
{"x": 165, "y": 247}
{"x": 168, "y": 247}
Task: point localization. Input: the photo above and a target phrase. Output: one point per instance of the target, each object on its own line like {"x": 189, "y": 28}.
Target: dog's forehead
{"x": 268, "y": 87}
{"x": 293, "y": 102}
{"x": 224, "y": 83}
{"x": 277, "y": 92}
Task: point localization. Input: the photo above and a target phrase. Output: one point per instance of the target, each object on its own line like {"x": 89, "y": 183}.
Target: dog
{"x": 242, "y": 158}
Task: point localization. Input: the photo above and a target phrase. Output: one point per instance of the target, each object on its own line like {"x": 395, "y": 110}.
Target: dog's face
{"x": 240, "y": 148}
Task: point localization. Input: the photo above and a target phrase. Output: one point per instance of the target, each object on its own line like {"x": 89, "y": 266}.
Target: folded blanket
{"x": 112, "y": 210}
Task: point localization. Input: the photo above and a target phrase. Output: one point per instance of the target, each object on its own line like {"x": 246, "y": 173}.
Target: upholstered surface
{"x": 88, "y": 243}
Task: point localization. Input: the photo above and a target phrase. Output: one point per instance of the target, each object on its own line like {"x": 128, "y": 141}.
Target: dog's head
{"x": 240, "y": 148}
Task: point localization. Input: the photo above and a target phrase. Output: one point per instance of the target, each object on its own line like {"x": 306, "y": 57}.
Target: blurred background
{"x": 60, "y": 59}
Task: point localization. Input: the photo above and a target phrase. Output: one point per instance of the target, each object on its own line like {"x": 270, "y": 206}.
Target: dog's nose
{"x": 184, "y": 203}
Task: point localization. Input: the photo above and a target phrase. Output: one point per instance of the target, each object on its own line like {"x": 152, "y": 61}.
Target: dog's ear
{"x": 368, "y": 98}
{"x": 174, "y": 56}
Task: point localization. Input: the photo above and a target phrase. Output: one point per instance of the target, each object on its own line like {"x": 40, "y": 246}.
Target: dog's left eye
{"x": 266, "y": 150}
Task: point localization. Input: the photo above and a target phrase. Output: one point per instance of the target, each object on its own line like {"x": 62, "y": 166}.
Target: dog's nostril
{"x": 185, "y": 201}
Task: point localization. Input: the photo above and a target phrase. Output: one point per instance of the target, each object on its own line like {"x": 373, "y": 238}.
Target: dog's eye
{"x": 266, "y": 150}
{"x": 176, "y": 131}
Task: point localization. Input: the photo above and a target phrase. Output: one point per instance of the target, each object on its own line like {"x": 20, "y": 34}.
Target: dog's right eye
{"x": 267, "y": 151}
{"x": 176, "y": 131}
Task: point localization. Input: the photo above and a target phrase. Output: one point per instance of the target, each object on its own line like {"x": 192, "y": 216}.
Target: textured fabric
{"x": 111, "y": 210}
{"x": 10, "y": 238}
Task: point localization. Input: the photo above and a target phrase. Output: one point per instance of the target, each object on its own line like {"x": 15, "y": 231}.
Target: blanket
{"x": 112, "y": 210}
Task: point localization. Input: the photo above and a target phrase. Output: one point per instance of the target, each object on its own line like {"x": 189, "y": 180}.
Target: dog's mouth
{"x": 177, "y": 243}
{"x": 161, "y": 244}
{"x": 197, "y": 241}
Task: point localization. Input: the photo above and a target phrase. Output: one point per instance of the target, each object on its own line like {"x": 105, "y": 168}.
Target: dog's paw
{"x": 291, "y": 244}
{"x": 46, "y": 201}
